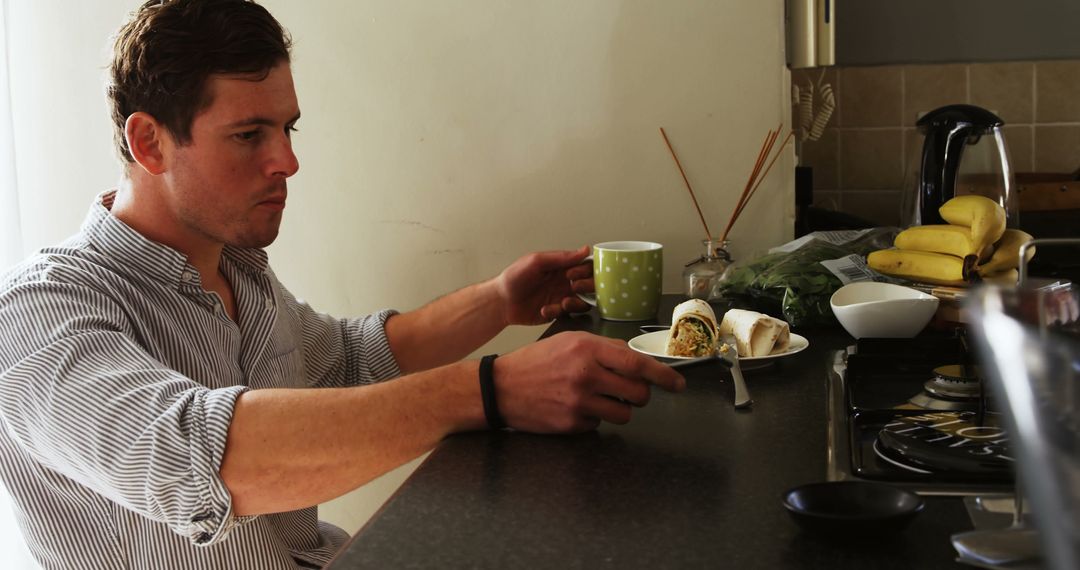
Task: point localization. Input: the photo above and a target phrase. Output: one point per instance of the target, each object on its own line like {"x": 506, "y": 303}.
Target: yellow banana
{"x": 984, "y": 216}
{"x": 940, "y": 238}
{"x": 922, "y": 266}
{"x": 1007, "y": 277}
{"x": 1007, "y": 252}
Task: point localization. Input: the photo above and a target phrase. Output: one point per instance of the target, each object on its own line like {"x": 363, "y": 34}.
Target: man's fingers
{"x": 548, "y": 260}
{"x": 574, "y": 305}
{"x": 580, "y": 271}
{"x": 585, "y": 424}
{"x": 628, "y": 391}
{"x": 583, "y": 285}
{"x": 634, "y": 365}
{"x": 566, "y": 305}
{"x": 553, "y": 311}
{"x": 608, "y": 409}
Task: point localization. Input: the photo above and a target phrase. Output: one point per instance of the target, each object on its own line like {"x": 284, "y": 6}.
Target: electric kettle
{"x": 963, "y": 152}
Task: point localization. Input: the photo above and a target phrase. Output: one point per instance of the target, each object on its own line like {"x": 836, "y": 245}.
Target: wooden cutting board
{"x": 1048, "y": 195}
{"x": 1037, "y": 191}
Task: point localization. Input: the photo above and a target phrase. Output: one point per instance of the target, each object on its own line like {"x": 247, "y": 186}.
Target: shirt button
{"x": 269, "y": 304}
{"x": 185, "y": 276}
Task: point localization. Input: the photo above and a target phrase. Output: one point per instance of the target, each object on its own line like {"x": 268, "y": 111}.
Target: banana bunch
{"x": 922, "y": 266}
{"x": 973, "y": 246}
{"x": 1006, "y": 256}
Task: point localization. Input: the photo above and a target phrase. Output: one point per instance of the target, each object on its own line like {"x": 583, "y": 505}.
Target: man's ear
{"x": 146, "y": 141}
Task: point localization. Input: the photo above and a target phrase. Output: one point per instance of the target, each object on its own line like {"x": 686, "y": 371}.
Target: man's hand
{"x": 533, "y": 290}
{"x": 542, "y": 286}
{"x": 572, "y": 381}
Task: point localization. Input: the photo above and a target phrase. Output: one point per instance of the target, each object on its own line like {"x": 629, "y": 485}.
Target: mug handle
{"x": 589, "y": 298}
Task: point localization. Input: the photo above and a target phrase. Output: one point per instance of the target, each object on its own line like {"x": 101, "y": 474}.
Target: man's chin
{"x": 263, "y": 239}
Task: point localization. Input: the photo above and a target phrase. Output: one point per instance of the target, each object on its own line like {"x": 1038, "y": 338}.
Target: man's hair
{"x": 164, "y": 55}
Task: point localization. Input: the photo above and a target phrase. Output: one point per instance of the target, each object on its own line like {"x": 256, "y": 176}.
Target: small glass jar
{"x": 702, "y": 276}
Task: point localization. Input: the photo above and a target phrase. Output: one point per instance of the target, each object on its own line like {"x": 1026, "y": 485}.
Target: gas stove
{"x": 916, "y": 413}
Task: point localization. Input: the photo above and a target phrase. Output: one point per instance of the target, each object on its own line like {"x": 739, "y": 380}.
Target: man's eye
{"x": 247, "y": 135}
{"x": 289, "y": 130}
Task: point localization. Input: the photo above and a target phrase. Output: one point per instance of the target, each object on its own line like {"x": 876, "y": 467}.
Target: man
{"x": 167, "y": 403}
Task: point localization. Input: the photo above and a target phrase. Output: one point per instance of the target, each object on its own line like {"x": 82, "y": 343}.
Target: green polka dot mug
{"x": 628, "y": 277}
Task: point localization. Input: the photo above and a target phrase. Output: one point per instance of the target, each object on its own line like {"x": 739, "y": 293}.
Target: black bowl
{"x": 852, "y": 508}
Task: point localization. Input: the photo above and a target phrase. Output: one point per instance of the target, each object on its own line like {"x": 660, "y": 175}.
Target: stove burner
{"x": 931, "y": 451}
{"x": 946, "y": 442}
{"x": 954, "y": 387}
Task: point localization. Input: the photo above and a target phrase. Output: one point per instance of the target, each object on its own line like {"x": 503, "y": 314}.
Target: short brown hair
{"x": 164, "y": 55}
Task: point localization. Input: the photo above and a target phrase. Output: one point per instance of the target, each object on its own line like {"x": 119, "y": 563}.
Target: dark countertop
{"x": 688, "y": 483}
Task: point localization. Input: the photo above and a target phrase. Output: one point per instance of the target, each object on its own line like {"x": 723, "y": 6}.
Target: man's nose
{"x": 284, "y": 162}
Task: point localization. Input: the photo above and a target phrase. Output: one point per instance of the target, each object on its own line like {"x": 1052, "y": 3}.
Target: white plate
{"x": 653, "y": 345}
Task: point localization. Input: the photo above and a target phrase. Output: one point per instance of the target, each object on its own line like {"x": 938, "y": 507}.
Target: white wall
{"x": 440, "y": 140}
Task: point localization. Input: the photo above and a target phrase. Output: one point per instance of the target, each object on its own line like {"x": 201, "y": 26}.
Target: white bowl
{"x": 882, "y": 310}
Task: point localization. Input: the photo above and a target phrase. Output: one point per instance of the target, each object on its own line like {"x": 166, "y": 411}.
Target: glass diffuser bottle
{"x": 702, "y": 276}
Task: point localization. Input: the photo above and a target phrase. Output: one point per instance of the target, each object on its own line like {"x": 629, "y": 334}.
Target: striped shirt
{"x": 118, "y": 377}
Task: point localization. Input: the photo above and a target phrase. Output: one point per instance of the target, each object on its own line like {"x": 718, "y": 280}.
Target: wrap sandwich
{"x": 755, "y": 334}
{"x": 693, "y": 330}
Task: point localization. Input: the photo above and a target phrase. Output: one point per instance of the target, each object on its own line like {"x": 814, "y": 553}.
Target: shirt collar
{"x": 136, "y": 253}
{"x": 250, "y": 259}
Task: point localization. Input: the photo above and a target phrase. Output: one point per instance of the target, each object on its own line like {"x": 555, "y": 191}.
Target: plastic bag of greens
{"x": 796, "y": 280}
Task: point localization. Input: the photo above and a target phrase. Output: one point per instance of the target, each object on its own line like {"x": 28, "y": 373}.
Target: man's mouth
{"x": 275, "y": 200}
{"x": 274, "y": 203}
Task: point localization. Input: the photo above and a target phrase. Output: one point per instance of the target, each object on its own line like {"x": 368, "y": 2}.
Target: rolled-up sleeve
{"x": 343, "y": 352}
{"x": 83, "y": 398}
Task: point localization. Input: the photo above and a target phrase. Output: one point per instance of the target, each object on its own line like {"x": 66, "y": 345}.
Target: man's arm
{"x": 446, "y": 329}
{"x": 534, "y": 289}
{"x": 83, "y": 397}
{"x": 288, "y": 449}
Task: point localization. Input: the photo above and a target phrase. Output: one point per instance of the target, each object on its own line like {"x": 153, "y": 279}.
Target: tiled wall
{"x": 859, "y": 163}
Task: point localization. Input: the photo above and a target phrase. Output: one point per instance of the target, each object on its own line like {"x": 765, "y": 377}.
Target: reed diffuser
{"x": 702, "y": 276}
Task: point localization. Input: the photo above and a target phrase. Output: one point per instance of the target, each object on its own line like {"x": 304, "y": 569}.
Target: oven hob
{"x": 915, "y": 413}
{"x": 930, "y": 446}
{"x": 952, "y": 387}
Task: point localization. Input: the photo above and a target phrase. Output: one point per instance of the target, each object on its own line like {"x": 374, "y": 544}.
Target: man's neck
{"x": 151, "y": 218}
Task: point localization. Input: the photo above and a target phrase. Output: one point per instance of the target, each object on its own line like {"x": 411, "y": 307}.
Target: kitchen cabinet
{"x": 872, "y": 32}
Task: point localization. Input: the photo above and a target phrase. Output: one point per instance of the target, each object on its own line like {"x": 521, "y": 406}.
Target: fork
{"x": 742, "y": 395}
{"x": 729, "y": 358}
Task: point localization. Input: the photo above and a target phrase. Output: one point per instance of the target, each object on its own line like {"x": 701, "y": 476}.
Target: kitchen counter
{"x": 690, "y": 482}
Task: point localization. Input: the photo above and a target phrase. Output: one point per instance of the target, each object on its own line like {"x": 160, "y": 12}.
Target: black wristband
{"x": 487, "y": 392}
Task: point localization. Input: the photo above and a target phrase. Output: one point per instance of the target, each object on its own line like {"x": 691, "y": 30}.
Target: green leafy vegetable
{"x": 794, "y": 285}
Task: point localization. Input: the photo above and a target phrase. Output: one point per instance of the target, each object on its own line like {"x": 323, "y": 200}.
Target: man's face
{"x": 228, "y": 184}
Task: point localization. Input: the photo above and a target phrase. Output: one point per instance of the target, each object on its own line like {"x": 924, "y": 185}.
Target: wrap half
{"x": 756, "y": 334}
{"x": 693, "y": 330}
